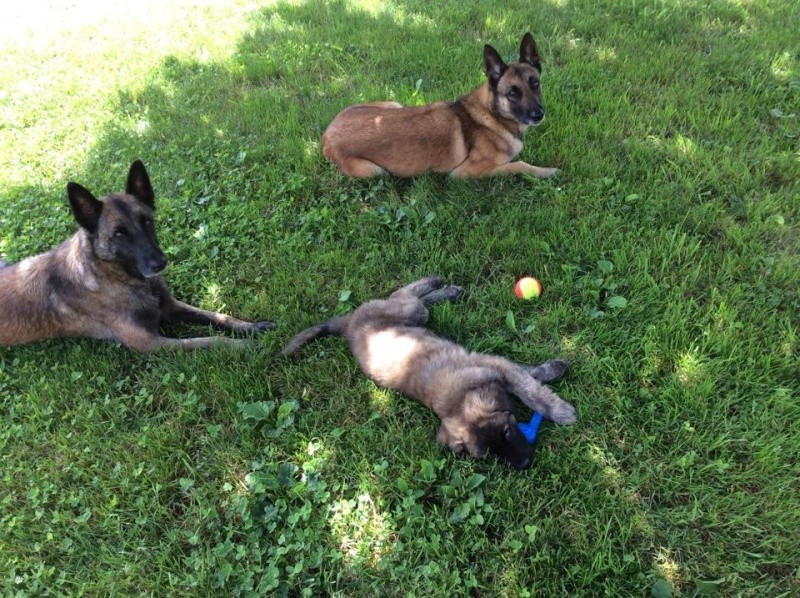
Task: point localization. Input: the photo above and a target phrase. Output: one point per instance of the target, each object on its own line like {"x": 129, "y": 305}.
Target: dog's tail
{"x": 333, "y": 327}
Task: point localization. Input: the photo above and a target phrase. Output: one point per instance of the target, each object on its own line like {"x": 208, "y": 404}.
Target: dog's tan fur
{"x": 467, "y": 391}
{"x": 104, "y": 281}
{"x": 477, "y": 135}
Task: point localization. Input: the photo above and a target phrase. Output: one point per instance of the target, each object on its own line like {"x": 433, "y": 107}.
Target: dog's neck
{"x": 77, "y": 259}
{"x": 481, "y": 107}
{"x": 89, "y": 270}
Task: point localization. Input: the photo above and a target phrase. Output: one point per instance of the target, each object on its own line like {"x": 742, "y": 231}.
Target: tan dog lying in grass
{"x": 477, "y": 135}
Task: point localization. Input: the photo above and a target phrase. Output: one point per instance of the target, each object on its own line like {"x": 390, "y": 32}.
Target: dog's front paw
{"x": 550, "y": 172}
{"x": 563, "y": 413}
{"x": 264, "y": 326}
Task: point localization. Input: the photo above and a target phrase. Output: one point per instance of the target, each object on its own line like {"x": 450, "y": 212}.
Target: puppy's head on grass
{"x": 487, "y": 426}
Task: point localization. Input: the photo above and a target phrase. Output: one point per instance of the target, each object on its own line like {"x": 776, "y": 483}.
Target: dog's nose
{"x": 157, "y": 264}
{"x": 537, "y": 115}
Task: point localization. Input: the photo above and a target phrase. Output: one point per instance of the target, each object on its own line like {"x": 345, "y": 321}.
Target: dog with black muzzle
{"x": 105, "y": 281}
{"x": 477, "y": 135}
{"x": 469, "y": 392}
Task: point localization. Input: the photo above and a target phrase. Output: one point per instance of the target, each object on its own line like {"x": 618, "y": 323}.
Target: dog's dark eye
{"x": 534, "y": 83}
{"x": 120, "y": 233}
{"x": 514, "y": 93}
{"x": 509, "y": 433}
{"x": 148, "y": 223}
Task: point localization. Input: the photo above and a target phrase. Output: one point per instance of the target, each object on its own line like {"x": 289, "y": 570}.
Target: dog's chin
{"x": 529, "y": 122}
{"x": 152, "y": 273}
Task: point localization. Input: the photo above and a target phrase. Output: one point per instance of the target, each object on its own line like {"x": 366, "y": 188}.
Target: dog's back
{"x": 401, "y": 140}
{"x": 29, "y": 299}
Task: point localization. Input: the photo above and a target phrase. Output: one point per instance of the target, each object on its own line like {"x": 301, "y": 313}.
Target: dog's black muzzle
{"x": 153, "y": 265}
{"x": 536, "y": 116}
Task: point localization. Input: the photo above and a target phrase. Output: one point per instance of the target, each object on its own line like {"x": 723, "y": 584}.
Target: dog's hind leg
{"x": 386, "y": 313}
{"x": 525, "y": 168}
{"x": 178, "y": 311}
{"x": 429, "y": 290}
{"x": 421, "y": 287}
{"x": 449, "y": 293}
{"x": 358, "y": 167}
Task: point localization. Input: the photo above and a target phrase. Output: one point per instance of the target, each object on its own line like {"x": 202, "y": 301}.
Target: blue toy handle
{"x": 531, "y": 429}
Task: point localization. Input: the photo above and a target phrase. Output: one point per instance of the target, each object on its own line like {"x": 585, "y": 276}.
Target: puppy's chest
{"x": 390, "y": 355}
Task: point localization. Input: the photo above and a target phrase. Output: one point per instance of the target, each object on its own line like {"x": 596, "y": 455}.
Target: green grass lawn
{"x": 668, "y": 250}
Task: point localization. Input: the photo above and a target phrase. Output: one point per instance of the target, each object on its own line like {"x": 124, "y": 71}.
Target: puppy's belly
{"x": 390, "y": 356}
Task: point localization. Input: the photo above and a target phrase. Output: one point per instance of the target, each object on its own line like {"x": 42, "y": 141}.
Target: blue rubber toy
{"x": 531, "y": 429}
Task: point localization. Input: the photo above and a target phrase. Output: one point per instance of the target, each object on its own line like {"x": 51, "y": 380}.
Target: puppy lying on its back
{"x": 468, "y": 391}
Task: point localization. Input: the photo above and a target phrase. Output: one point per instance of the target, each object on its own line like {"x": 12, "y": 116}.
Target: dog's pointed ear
{"x": 85, "y": 207}
{"x": 493, "y": 65}
{"x": 529, "y": 54}
{"x": 139, "y": 185}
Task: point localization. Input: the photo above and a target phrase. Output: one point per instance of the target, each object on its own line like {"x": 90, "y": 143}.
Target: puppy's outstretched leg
{"x": 421, "y": 287}
{"x": 449, "y": 293}
{"x": 429, "y": 290}
{"x": 530, "y": 391}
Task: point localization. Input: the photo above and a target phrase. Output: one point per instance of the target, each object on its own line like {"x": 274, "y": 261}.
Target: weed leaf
{"x": 708, "y": 587}
{"x": 510, "y": 321}
{"x": 259, "y": 410}
{"x": 617, "y": 302}
{"x": 661, "y": 589}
